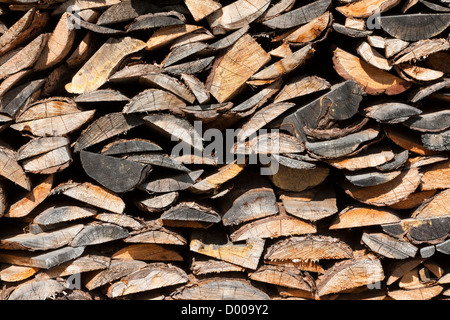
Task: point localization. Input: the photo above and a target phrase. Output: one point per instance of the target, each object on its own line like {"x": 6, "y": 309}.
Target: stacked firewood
{"x": 119, "y": 180}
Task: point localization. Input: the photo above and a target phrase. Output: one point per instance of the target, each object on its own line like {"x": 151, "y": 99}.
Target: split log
{"x": 311, "y": 204}
{"x": 350, "y": 274}
{"x": 361, "y": 216}
{"x": 371, "y": 79}
{"x": 208, "y": 266}
{"x": 310, "y": 247}
{"x": 58, "y": 214}
{"x": 284, "y": 276}
{"x": 246, "y": 255}
{"x": 251, "y": 58}
{"x": 158, "y": 203}
{"x": 147, "y": 251}
{"x": 389, "y": 247}
{"x": 416, "y": 294}
{"x": 93, "y": 195}
{"x": 115, "y": 50}
{"x": 80, "y": 265}
{"x": 28, "y": 203}
{"x": 98, "y": 233}
{"x": 36, "y": 290}
{"x": 122, "y": 220}
{"x": 366, "y": 8}
{"x": 436, "y": 176}
{"x": 41, "y": 241}
{"x": 190, "y": 214}
{"x": 127, "y": 174}
{"x": 153, "y": 276}
{"x": 157, "y": 235}
{"x": 220, "y": 289}
{"x": 17, "y": 273}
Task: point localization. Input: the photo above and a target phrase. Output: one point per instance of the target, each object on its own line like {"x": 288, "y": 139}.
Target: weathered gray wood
{"x": 391, "y": 113}
{"x": 430, "y": 122}
{"x": 439, "y": 141}
{"x": 388, "y": 246}
{"x": 58, "y": 214}
{"x": 189, "y": 212}
{"x": 153, "y": 21}
{"x": 298, "y": 16}
{"x": 414, "y": 27}
{"x": 15, "y": 99}
{"x": 106, "y": 127}
{"x": 125, "y": 11}
{"x": 192, "y": 67}
{"x": 340, "y": 103}
{"x": 44, "y": 260}
{"x": 128, "y": 146}
{"x": 36, "y": 290}
{"x": 370, "y": 177}
{"x": 220, "y": 289}
{"x": 41, "y": 241}
{"x": 172, "y": 183}
{"x": 98, "y": 233}
{"x": 153, "y": 100}
{"x": 158, "y": 203}
{"x": 101, "y": 95}
{"x": 127, "y": 174}
{"x": 158, "y": 160}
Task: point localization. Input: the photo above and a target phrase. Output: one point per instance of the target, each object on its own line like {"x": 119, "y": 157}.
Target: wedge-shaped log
{"x": 248, "y": 201}
{"x": 93, "y": 195}
{"x": 366, "y": 8}
{"x": 296, "y": 175}
{"x": 202, "y": 266}
{"x": 98, "y": 233}
{"x": 284, "y": 276}
{"x": 421, "y": 294}
{"x": 126, "y": 146}
{"x": 280, "y": 225}
{"x": 106, "y": 127}
{"x": 173, "y": 182}
{"x": 431, "y": 230}
{"x": 391, "y": 112}
{"x": 369, "y": 158}
{"x": 344, "y": 146}
{"x": 158, "y": 203}
{"x": 435, "y": 207}
{"x": 312, "y": 205}
{"x": 387, "y": 193}
{"x": 122, "y": 220}
{"x": 36, "y": 290}
{"x": 58, "y": 214}
{"x": 25, "y": 58}
{"x": 349, "y": 274}
{"x": 340, "y": 103}
{"x": 301, "y": 86}
{"x": 167, "y": 35}
{"x": 189, "y": 214}
{"x": 310, "y": 247}
{"x": 371, "y": 79}
{"x": 157, "y": 235}
{"x": 127, "y": 174}
{"x": 436, "y": 176}
{"x": 116, "y": 270}
{"x": 236, "y": 15}
{"x": 99, "y": 68}
{"x": 227, "y": 77}
{"x": 362, "y": 216}
{"x": 154, "y": 100}
{"x": 199, "y": 11}
{"x": 17, "y": 273}
{"x": 389, "y": 247}
{"x": 11, "y": 170}
{"x": 24, "y": 206}
{"x": 308, "y": 32}
{"x": 44, "y": 260}
{"x": 405, "y": 27}
{"x": 246, "y": 255}
{"x": 42, "y": 241}
{"x": 282, "y": 67}
{"x": 298, "y": 16}
{"x": 147, "y": 252}
{"x": 48, "y": 163}
{"x": 31, "y": 23}
{"x": 80, "y": 265}
{"x": 430, "y": 121}
{"x": 153, "y": 276}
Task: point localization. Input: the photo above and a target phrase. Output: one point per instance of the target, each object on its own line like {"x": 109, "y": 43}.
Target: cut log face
{"x": 157, "y": 235}
{"x": 147, "y": 252}
{"x": 220, "y": 289}
{"x": 398, "y": 189}
{"x": 115, "y": 50}
{"x": 391, "y": 112}
{"x": 436, "y": 177}
{"x": 242, "y": 204}
{"x": 366, "y": 8}
{"x": 435, "y": 207}
{"x": 416, "y": 294}
{"x": 12, "y": 170}
{"x": 404, "y": 27}
{"x": 151, "y": 277}
{"x": 273, "y": 227}
{"x": 153, "y": 100}
{"x": 25, "y": 205}
{"x": 127, "y": 174}
{"x": 80, "y": 265}
{"x": 58, "y": 214}
{"x": 298, "y": 16}
{"x": 309, "y": 247}
{"x": 36, "y": 290}
{"x": 17, "y": 273}
{"x": 236, "y": 15}
{"x": 93, "y": 195}
{"x": 283, "y": 276}
{"x": 350, "y": 274}
{"x": 189, "y": 214}
{"x": 251, "y": 58}
{"x": 354, "y": 217}
{"x": 371, "y": 79}
{"x": 310, "y": 31}
{"x": 207, "y": 266}
{"x": 201, "y": 11}
{"x": 389, "y": 247}
{"x": 311, "y": 204}
{"x": 100, "y": 233}
{"x": 246, "y": 255}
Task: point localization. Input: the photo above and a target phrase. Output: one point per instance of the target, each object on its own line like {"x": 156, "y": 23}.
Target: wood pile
{"x": 351, "y": 202}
